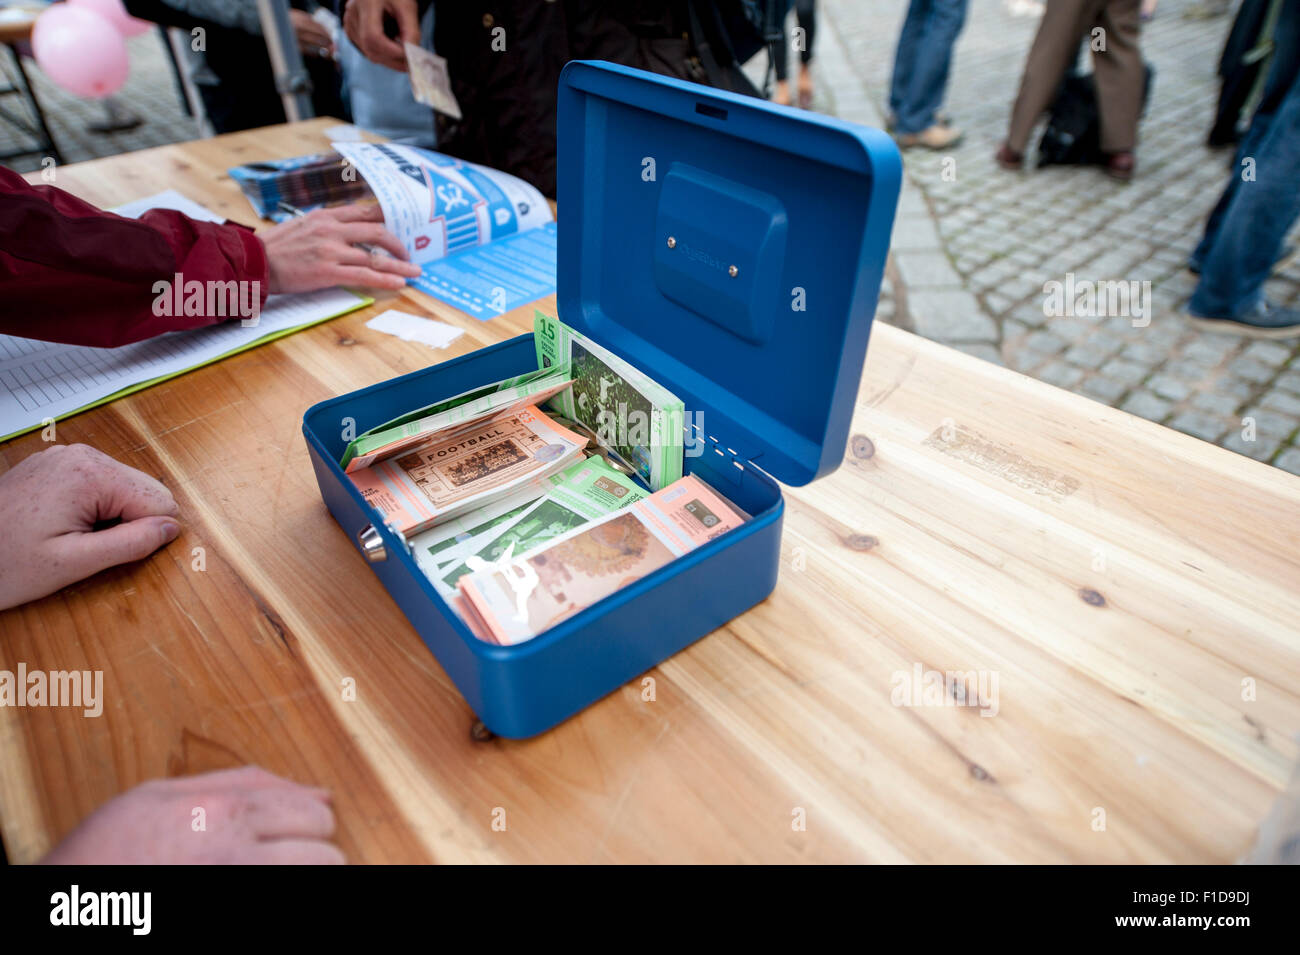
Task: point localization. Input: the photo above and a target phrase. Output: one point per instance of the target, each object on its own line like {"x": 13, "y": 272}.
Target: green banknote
{"x": 452, "y": 541}
{"x": 594, "y": 491}
{"x": 633, "y": 415}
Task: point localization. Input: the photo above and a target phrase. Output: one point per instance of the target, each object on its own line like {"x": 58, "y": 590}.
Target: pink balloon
{"x": 115, "y": 13}
{"x": 79, "y": 50}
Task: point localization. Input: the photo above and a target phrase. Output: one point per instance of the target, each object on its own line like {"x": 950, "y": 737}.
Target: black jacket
{"x": 508, "y": 95}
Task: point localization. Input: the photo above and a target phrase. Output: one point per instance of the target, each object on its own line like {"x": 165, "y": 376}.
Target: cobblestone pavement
{"x": 973, "y": 249}
{"x": 151, "y": 93}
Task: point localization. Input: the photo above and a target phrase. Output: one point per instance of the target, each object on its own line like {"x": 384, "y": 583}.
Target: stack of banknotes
{"x": 468, "y": 468}
{"x": 526, "y": 500}
{"x": 631, "y": 414}
{"x": 517, "y": 597}
{"x": 421, "y": 426}
{"x": 582, "y": 492}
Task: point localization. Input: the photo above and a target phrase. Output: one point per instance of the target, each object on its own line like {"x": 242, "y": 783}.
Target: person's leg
{"x": 1259, "y": 212}
{"x": 1284, "y": 70}
{"x": 1055, "y": 44}
{"x": 905, "y": 55}
{"x": 1254, "y": 225}
{"x": 781, "y": 57}
{"x": 1249, "y": 147}
{"x": 779, "y": 52}
{"x": 925, "y": 90}
{"x": 1120, "y": 75}
{"x": 806, "y": 12}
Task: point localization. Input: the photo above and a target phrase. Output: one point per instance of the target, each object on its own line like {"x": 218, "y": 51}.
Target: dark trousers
{"x": 805, "y": 12}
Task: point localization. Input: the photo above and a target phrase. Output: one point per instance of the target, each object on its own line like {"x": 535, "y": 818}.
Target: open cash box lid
{"x": 731, "y": 249}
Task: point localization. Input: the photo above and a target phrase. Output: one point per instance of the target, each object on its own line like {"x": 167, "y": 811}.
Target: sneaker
{"x": 1267, "y": 321}
{"x": 932, "y": 137}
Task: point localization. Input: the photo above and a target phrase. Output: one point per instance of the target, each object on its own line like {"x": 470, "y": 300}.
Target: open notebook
{"x": 42, "y": 381}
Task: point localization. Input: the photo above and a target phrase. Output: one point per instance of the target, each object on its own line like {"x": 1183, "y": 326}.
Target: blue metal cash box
{"x": 733, "y": 250}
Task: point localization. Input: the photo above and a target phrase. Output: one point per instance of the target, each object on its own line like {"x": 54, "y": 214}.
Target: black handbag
{"x": 1073, "y": 133}
{"x": 723, "y": 35}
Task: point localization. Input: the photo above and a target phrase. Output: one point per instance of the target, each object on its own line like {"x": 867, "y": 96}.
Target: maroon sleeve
{"x": 70, "y": 272}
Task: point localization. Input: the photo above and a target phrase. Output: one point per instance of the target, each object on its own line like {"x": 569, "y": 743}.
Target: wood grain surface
{"x": 1120, "y": 588}
{"x": 19, "y": 28}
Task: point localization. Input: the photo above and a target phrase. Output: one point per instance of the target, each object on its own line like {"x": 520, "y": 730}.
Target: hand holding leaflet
{"x": 443, "y": 209}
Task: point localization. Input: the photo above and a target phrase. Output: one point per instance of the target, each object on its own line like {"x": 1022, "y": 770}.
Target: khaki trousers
{"x": 1118, "y": 70}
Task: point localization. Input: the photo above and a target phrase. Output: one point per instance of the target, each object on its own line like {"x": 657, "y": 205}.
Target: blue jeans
{"x": 1243, "y": 237}
{"x": 922, "y": 60}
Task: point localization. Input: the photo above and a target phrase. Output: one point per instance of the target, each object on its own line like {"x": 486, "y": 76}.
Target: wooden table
{"x": 1120, "y": 580}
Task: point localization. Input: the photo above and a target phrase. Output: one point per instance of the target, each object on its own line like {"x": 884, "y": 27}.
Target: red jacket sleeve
{"x": 70, "y": 272}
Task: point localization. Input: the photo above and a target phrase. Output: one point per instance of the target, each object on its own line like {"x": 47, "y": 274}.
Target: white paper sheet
{"x": 169, "y": 199}
{"x": 414, "y": 328}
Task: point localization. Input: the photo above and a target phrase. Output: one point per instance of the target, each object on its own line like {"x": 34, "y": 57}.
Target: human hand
{"x": 313, "y": 38}
{"x": 49, "y": 503}
{"x": 250, "y": 817}
{"x": 318, "y": 251}
{"x": 363, "y": 21}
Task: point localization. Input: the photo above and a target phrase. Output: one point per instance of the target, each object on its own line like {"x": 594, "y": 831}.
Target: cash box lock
{"x": 372, "y": 545}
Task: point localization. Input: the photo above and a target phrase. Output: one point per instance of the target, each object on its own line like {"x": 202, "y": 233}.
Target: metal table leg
{"x": 45, "y": 144}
